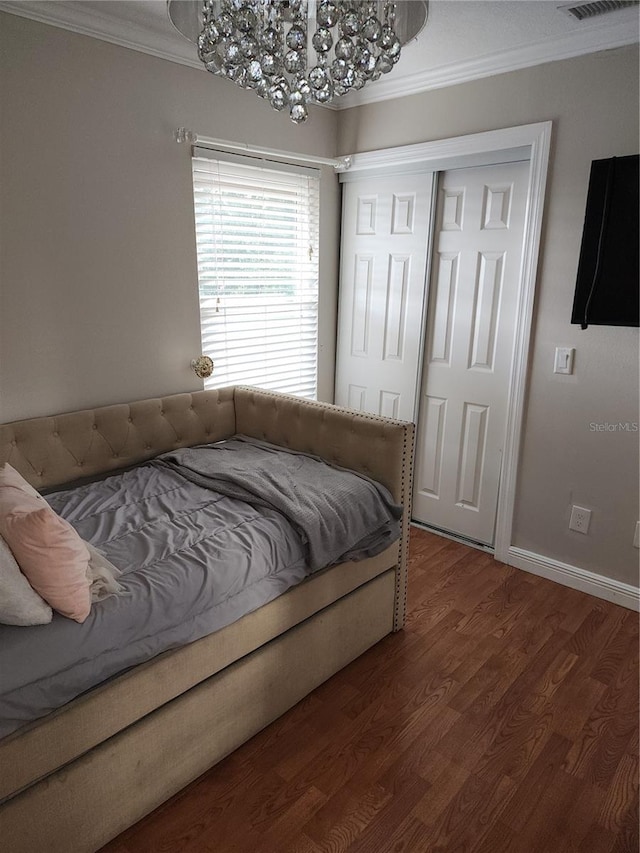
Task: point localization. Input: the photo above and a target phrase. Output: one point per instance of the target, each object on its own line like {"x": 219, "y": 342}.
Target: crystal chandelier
{"x": 299, "y": 52}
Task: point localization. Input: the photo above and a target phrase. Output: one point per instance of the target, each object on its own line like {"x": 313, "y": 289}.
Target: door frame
{"x": 530, "y": 142}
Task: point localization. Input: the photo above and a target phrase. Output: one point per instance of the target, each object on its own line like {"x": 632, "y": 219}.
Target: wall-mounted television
{"x": 607, "y": 287}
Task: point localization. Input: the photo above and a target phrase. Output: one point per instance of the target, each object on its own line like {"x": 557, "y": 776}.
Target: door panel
{"x": 468, "y": 353}
{"x": 385, "y": 240}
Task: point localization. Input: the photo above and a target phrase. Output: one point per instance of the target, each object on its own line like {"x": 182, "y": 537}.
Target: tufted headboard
{"x": 54, "y": 450}
{"x": 64, "y": 448}
{"x": 59, "y": 449}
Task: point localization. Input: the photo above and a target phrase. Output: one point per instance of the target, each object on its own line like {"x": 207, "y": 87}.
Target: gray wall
{"x": 593, "y": 103}
{"x": 98, "y": 279}
{"x": 98, "y": 295}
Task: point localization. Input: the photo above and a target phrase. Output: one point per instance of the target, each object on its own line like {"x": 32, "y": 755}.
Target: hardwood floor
{"x": 503, "y": 719}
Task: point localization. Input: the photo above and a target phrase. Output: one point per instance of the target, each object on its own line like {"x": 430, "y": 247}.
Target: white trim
{"x": 539, "y": 163}
{"x": 568, "y": 46}
{"x": 491, "y": 147}
{"x": 602, "y": 587}
{"x": 89, "y": 21}
{"x": 458, "y": 151}
{"x": 436, "y": 164}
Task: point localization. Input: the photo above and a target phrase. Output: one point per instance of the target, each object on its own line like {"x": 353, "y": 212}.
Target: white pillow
{"x": 20, "y": 604}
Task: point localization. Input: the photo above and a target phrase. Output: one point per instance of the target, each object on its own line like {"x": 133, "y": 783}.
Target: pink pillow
{"x": 10, "y": 477}
{"x": 48, "y": 550}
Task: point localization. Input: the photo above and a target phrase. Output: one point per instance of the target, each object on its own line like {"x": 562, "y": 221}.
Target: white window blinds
{"x": 257, "y": 243}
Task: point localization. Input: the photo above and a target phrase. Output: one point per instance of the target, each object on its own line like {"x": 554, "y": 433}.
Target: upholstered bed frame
{"x": 77, "y": 778}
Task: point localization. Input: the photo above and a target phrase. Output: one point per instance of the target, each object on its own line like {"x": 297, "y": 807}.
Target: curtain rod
{"x": 183, "y": 134}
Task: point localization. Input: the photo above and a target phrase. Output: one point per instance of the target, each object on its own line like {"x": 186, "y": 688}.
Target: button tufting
{"x": 130, "y": 420}
{"x": 55, "y": 434}
{"x": 95, "y": 426}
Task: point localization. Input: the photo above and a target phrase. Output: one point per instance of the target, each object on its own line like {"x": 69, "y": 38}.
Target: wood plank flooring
{"x": 503, "y": 719}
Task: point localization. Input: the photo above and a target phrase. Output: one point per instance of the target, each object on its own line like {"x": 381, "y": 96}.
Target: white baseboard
{"x": 598, "y": 585}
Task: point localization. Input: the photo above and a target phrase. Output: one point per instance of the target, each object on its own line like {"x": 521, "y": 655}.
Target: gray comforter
{"x": 193, "y": 561}
{"x": 337, "y": 513}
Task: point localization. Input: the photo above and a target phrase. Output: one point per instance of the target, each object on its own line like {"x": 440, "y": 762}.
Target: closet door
{"x": 468, "y": 357}
{"x": 386, "y": 227}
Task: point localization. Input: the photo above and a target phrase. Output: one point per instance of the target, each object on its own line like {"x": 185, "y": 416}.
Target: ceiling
{"x": 463, "y": 39}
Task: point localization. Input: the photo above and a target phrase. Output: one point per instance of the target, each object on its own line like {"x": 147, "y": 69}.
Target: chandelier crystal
{"x": 299, "y": 52}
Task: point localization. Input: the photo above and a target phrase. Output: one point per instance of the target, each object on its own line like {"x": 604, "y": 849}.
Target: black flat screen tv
{"x": 607, "y": 285}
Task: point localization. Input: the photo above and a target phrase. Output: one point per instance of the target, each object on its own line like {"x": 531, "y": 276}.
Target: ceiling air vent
{"x": 585, "y": 11}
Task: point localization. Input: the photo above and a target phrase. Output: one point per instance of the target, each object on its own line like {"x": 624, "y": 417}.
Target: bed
{"x": 79, "y": 775}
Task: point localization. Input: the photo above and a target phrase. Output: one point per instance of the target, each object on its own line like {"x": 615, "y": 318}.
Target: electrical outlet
{"x": 636, "y": 536}
{"x": 580, "y": 518}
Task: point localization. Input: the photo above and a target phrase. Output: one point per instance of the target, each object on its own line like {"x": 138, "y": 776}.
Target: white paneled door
{"x": 386, "y": 227}
{"x": 475, "y": 275}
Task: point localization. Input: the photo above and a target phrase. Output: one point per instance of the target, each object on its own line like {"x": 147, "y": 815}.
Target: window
{"x": 257, "y": 244}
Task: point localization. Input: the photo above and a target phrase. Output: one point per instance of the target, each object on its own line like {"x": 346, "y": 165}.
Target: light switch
{"x": 563, "y": 362}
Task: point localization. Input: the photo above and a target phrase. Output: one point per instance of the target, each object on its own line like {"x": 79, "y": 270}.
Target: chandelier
{"x": 294, "y": 53}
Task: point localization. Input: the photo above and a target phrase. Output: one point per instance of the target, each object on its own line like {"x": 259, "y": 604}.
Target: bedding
{"x": 328, "y": 505}
{"x": 193, "y": 559}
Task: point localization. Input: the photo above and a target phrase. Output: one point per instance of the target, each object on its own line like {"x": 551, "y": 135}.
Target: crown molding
{"x": 88, "y": 21}
{"x": 604, "y": 37}
{"x": 162, "y": 44}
